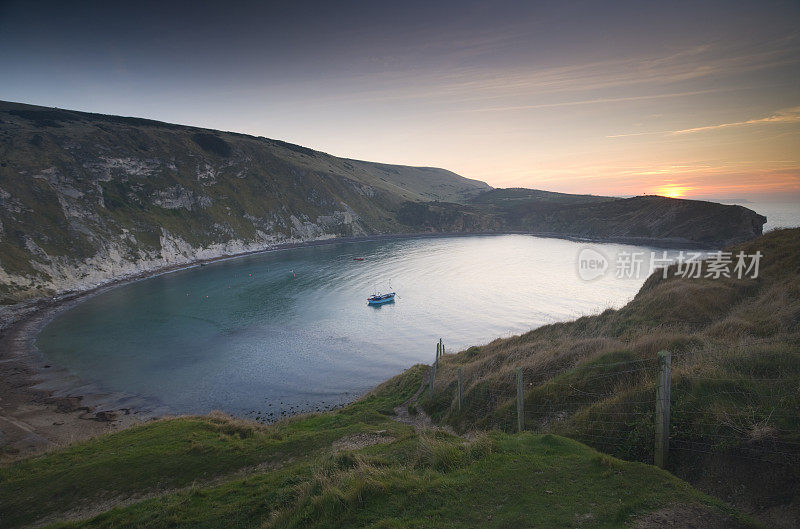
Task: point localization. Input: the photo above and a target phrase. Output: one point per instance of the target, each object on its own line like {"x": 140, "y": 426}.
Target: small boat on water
{"x": 379, "y": 299}
{"x": 358, "y": 258}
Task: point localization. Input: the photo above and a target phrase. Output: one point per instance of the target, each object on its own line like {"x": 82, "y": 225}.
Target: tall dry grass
{"x": 736, "y": 363}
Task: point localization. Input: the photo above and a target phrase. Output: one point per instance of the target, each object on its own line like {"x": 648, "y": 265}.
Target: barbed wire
{"x": 743, "y": 378}
{"x": 706, "y": 413}
{"x": 772, "y": 391}
{"x": 679, "y": 444}
{"x": 603, "y": 418}
{"x": 601, "y": 366}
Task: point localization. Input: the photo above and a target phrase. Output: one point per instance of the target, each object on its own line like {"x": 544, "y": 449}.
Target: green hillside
{"x": 516, "y": 195}
{"x": 735, "y": 424}
{"x": 354, "y": 467}
{"x": 684, "y": 222}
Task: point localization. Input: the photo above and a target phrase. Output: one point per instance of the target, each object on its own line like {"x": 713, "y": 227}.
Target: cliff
{"x": 88, "y": 198}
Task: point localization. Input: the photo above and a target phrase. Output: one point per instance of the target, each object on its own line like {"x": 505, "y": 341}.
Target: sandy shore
{"x": 42, "y": 406}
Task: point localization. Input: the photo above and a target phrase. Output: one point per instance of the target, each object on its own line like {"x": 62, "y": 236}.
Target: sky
{"x": 694, "y": 99}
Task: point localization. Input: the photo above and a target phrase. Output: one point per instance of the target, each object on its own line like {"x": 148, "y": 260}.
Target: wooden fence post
{"x": 438, "y": 352}
{"x": 520, "y": 402}
{"x": 460, "y": 391}
{"x": 433, "y": 369}
{"x": 662, "y": 408}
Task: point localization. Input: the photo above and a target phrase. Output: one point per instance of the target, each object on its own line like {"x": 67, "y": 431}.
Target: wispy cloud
{"x": 628, "y": 134}
{"x": 605, "y": 100}
{"x": 475, "y": 85}
{"x": 787, "y": 115}
{"x": 687, "y": 65}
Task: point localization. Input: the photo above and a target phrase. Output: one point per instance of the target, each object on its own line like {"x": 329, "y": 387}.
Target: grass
{"x": 735, "y": 375}
{"x": 734, "y": 342}
{"x": 214, "y": 471}
{"x": 454, "y": 485}
{"x": 173, "y": 453}
{"x": 731, "y": 388}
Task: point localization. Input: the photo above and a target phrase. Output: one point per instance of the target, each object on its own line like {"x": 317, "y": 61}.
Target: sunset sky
{"x": 696, "y": 99}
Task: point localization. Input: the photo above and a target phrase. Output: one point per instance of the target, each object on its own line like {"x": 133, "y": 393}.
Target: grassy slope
{"x": 742, "y": 331}
{"x": 597, "y": 216}
{"x": 514, "y": 195}
{"x": 409, "y": 183}
{"x": 736, "y": 372}
{"x": 218, "y": 472}
{"x": 419, "y": 183}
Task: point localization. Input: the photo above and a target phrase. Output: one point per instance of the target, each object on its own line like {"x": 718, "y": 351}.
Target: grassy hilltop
{"x": 735, "y": 379}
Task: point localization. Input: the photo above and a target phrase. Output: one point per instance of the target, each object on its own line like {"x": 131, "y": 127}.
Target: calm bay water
{"x": 779, "y": 214}
{"x": 291, "y": 331}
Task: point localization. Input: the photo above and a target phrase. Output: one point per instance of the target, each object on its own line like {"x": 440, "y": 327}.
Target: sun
{"x": 672, "y": 191}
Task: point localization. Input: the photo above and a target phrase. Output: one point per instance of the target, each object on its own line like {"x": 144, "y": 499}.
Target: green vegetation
{"x": 77, "y": 187}
{"x": 213, "y": 144}
{"x": 521, "y": 195}
{"x": 735, "y": 377}
{"x": 645, "y": 217}
{"x": 354, "y": 467}
{"x": 173, "y": 453}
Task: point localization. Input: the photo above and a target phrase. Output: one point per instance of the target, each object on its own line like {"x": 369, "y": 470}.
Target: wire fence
{"x": 617, "y": 406}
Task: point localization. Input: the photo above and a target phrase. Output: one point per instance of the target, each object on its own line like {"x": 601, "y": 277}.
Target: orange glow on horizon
{"x": 673, "y": 191}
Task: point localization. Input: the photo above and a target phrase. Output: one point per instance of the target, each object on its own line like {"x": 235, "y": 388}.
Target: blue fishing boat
{"x": 380, "y": 299}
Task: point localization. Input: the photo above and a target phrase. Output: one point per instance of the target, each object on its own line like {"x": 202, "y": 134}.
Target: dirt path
{"x": 90, "y": 509}
{"x": 419, "y": 420}
{"x": 95, "y": 507}
{"x": 687, "y": 517}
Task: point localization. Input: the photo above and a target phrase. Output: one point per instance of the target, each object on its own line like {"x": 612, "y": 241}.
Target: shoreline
{"x": 42, "y": 406}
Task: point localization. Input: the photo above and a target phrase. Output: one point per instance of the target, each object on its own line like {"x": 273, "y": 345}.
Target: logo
{"x": 591, "y": 264}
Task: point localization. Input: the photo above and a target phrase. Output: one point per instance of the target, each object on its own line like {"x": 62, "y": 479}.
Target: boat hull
{"x": 381, "y": 300}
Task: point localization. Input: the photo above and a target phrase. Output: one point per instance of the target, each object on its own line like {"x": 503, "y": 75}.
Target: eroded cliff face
{"x": 88, "y": 199}
{"x": 83, "y": 222}
{"x": 114, "y": 261}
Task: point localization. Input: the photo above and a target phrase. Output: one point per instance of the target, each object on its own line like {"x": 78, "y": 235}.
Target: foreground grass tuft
{"x": 213, "y": 472}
